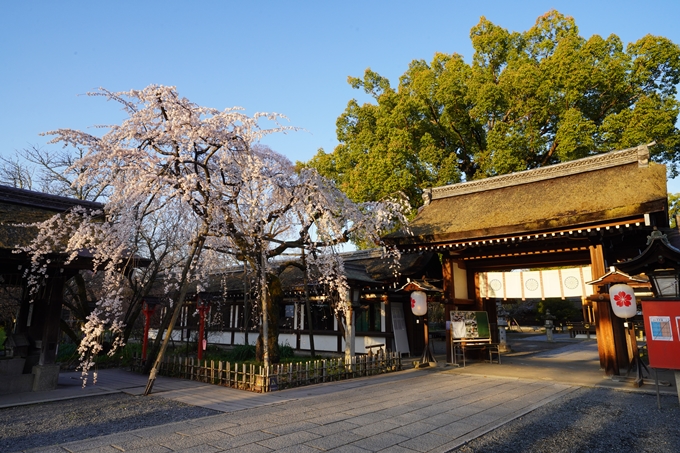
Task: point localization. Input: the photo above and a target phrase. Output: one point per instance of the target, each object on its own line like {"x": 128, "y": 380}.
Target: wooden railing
{"x": 276, "y": 377}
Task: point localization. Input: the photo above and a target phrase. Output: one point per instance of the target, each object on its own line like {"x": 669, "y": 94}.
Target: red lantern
{"x": 623, "y": 301}
{"x": 419, "y": 303}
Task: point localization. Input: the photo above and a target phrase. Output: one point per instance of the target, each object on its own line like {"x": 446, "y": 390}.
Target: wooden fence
{"x": 275, "y": 377}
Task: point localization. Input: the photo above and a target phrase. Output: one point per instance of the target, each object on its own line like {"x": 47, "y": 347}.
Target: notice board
{"x": 662, "y": 329}
{"x": 470, "y": 325}
{"x": 399, "y": 329}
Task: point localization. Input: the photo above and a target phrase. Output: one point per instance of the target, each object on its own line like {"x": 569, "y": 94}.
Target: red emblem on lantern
{"x": 623, "y": 299}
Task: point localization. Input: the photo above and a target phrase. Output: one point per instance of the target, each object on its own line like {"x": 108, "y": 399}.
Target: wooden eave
{"x": 41, "y": 202}
{"x": 660, "y": 253}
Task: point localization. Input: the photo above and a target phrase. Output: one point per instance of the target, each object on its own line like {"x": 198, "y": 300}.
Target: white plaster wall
{"x": 289, "y": 339}
{"x": 240, "y": 338}
{"x": 326, "y": 343}
{"x": 219, "y": 338}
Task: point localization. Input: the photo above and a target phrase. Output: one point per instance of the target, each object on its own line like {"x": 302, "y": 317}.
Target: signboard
{"x": 470, "y": 324}
{"x": 662, "y": 328}
{"x": 399, "y": 329}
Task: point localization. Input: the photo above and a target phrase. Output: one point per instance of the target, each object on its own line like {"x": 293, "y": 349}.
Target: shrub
{"x": 242, "y": 353}
{"x": 286, "y": 351}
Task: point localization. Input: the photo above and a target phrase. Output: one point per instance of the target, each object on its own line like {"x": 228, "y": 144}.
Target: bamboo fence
{"x": 257, "y": 378}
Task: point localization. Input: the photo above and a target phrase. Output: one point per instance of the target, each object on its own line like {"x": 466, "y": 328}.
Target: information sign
{"x": 470, "y": 325}
{"x": 662, "y": 328}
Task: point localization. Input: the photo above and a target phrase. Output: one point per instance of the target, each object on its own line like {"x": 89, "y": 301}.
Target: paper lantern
{"x": 623, "y": 301}
{"x": 419, "y": 303}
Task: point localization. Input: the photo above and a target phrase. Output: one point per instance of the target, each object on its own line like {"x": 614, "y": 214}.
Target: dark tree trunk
{"x": 272, "y": 306}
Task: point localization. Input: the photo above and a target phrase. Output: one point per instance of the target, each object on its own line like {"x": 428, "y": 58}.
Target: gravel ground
{"x": 41, "y": 425}
{"x": 590, "y": 421}
{"x": 587, "y": 420}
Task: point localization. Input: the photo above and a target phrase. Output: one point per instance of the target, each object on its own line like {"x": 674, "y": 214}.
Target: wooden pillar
{"x": 449, "y": 297}
{"x": 50, "y": 328}
{"x": 611, "y": 339}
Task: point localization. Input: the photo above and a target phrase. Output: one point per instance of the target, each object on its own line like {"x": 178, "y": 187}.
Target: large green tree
{"x": 526, "y": 100}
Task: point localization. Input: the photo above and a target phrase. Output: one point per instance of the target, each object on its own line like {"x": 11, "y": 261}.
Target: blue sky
{"x": 289, "y": 57}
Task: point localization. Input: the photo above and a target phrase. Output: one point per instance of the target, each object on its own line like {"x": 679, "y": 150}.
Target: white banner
{"x": 541, "y": 284}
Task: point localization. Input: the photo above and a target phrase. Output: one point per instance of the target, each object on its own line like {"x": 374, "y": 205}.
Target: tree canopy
{"x": 526, "y": 100}
{"x": 178, "y": 172}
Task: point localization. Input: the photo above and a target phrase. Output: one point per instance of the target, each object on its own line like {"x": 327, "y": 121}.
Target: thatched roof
{"x": 25, "y": 206}
{"x": 595, "y": 190}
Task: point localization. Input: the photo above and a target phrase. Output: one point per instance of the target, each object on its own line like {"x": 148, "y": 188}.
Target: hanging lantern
{"x": 623, "y": 301}
{"x": 419, "y": 303}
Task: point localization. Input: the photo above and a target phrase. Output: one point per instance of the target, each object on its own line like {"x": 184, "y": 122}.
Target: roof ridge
{"x": 48, "y": 201}
{"x": 639, "y": 154}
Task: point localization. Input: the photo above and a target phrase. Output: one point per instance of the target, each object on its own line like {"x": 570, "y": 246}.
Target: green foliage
{"x": 67, "y": 353}
{"x": 242, "y": 353}
{"x": 561, "y": 309}
{"x": 286, "y": 351}
{"x": 68, "y": 356}
{"x": 673, "y": 208}
{"x": 3, "y": 337}
{"x": 540, "y": 97}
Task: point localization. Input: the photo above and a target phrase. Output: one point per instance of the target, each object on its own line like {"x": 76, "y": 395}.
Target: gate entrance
{"x": 595, "y": 212}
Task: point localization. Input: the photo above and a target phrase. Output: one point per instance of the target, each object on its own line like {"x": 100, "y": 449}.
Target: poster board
{"x": 470, "y": 325}
{"x": 399, "y": 329}
{"x": 662, "y": 329}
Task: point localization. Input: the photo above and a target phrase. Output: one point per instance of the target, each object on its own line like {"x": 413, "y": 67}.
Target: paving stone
{"x": 298, "y": 449}
{"x": 397, "y": 449}
{"x": 52, "y": 449}
{"x": 331, "y": 441}
{"x": 199, "y": 449}
{"x": 290, "y": 428}
{"x": 204, "y": 428}
{"x": 454, "y": 430}
{"x": 289, "y": 439}
{"x": 413, "y": 429}
{"x": 443, "y": 419}
{"x": 98, "y": 442}
{"x": 192, "y": 441}
{"x": 149, "y": 449}
{"x": 137, "y": 443}
{"x": 331, "y": 418}
{"x": 243, "y": 429}
{"x": 426, "y": 442}
{"x": 100, "y": 449}
{"x": 250, "y": 448}
{"x": 375, "y": 428}
{"x": 332, "y": 428}
{"x": 409, "y": 417}
{"x": 348, "y": 449}
{"x": 380, "y": 441}
{"x": 243, "y": 439}
{"x": 482, "y": 418}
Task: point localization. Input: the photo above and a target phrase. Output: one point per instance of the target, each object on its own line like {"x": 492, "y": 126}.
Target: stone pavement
{"x": 426, "y": 410}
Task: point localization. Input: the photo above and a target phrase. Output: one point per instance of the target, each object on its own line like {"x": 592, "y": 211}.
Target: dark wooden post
{"x": 449, "y": 296}
{"x": 611, "y": 336}
{"x": 52, "y": 315}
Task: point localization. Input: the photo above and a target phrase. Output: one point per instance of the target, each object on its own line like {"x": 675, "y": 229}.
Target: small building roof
{"x": 594, "y": 190}
{"x": 20, "y": 206}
